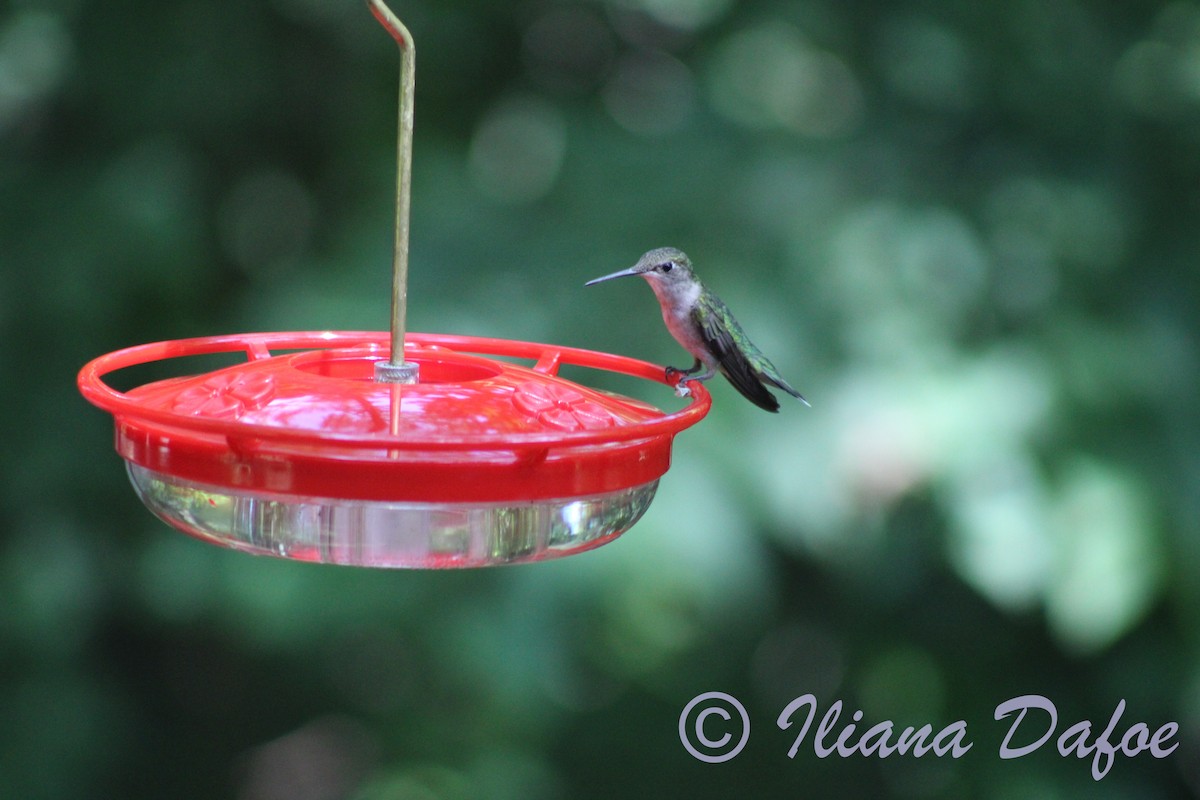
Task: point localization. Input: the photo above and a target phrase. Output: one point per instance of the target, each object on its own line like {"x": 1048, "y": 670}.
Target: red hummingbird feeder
{"x": 371, "y": 450}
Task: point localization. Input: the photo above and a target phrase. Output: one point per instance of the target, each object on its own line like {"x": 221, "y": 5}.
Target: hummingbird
{"x": 703, "y": 324}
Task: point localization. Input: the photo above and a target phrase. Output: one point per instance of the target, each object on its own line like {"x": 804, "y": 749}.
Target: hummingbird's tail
{"x": 779, "y": 382}
{"x": 752, "y": 377}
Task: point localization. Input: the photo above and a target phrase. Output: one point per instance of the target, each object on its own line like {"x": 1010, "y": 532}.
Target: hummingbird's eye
{"x": 667, "y": 267}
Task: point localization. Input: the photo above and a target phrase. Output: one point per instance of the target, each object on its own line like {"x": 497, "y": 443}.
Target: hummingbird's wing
{"x": 721, "y": 334}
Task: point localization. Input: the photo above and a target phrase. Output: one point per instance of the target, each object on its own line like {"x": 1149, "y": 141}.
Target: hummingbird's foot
{"x": 681, "y": 389}
{"x": 673, "y": 371}
{"x": 687, "y": 376}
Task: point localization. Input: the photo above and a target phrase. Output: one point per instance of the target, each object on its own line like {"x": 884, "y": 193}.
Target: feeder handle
{"x": 397, "y": 370}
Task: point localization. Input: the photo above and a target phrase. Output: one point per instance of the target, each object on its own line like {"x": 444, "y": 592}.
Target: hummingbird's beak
{"x": 622, "y": 274}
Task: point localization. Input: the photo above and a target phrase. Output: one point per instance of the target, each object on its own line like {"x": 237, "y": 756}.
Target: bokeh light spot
{"x": 650, "y": 93}
{"x": 35, "y": 54}
{"x": 771, "y": 76}
{"x": 518, "y": 150}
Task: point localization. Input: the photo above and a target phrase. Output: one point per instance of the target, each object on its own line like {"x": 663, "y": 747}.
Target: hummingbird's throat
{"x": 679, "y": 297}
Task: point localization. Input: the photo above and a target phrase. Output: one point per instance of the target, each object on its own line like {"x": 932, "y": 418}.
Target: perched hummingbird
{"x": 704, "y": 326}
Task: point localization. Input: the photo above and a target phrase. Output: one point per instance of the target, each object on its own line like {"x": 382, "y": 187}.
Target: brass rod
{"x": 397, "y": 369}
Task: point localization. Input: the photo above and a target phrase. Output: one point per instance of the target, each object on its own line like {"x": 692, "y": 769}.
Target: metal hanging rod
{"x": 396, "y": 369}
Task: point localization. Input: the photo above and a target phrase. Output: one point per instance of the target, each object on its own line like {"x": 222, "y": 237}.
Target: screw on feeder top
{"x": 396, "y": 369}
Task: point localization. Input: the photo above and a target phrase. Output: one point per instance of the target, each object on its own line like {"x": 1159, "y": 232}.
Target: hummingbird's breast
{"x": 677, "y": 302}
{"x": 686, "y": 333}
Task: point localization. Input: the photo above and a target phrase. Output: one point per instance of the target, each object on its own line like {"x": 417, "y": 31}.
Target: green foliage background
{"x": 967, "y": 231}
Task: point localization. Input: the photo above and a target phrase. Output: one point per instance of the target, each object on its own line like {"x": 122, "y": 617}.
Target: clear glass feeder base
{"x": 390, "y": 534}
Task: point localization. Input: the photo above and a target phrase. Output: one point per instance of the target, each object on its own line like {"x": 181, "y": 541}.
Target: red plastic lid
{"x": 316, "y": 424}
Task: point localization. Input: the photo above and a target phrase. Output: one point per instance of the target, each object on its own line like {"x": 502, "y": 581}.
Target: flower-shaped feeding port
{"x": 562, "y": 407}
{"x": 304, "y": 455}
{"x": 226, "y": 395}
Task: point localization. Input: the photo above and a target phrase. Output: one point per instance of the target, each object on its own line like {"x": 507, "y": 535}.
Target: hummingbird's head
{"x": 665, "y": 268}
